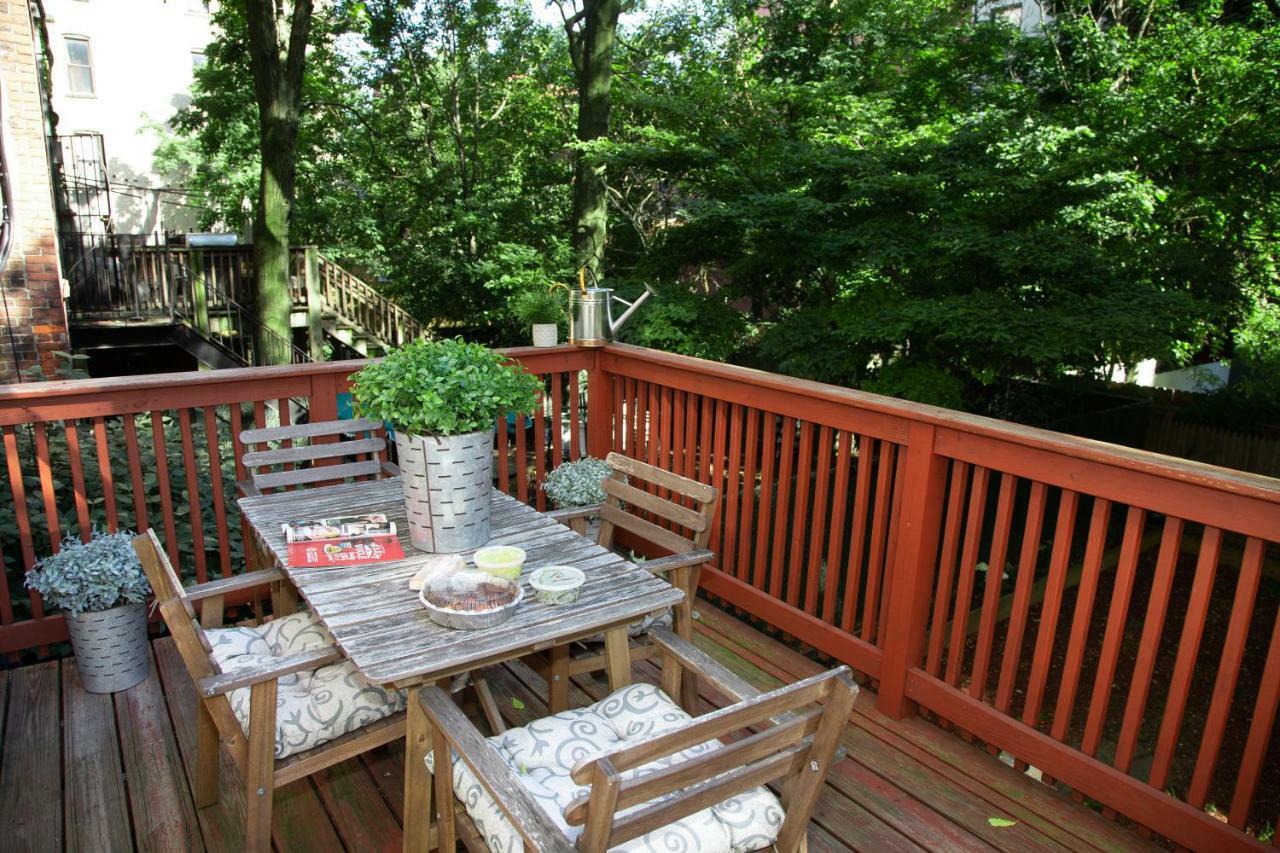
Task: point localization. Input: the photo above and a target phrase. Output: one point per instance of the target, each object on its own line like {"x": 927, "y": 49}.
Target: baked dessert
{"x": 471, "y": 592}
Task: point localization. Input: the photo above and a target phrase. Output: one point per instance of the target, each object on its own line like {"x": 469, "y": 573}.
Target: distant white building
{"x": 118, "y": 67}
{"x": 1027, "y": 15}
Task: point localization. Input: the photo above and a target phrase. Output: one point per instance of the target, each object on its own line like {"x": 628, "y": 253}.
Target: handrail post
{"x": 911, "y": 591}
{"x": 315, "y": 322}
{"x": 599, "y": 409}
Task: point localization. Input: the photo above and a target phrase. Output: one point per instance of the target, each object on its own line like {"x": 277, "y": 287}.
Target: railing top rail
{"x": 616, "y": 356}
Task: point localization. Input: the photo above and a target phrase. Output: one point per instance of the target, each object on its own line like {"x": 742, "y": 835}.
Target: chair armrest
{"x": 534, "y": 825}
{"x": 696, "y": 661}
{"x": 390, "y": 469}
{"x": 678, "y": 561}
{"x": 222, "y": 586}
{"x": 248, "y": 489}
{"x": 217, "y": 685}
{"x": 563, "y": 515}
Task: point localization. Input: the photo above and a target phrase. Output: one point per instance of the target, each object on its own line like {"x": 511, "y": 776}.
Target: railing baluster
{"x": 140, "y": 520}
{"x": 967, "y": 573}
{"x": 853, "y": 567}
{"x": 79, "y": 492}
{"x": 800, "y": 494}
{"x": 1224, "y": 687}
{"x": 557, "y": 417}
{"x": 782, "y": 507}
{"x": 575, "y": 450}
{"x": 719, "y": 480}
{"x": 1260, "y": 731}
{"x": 733, "y": 485}
{"x": 18, "y": 487}
{"x": 522, "y": 461}
{"x": 993, "y": 585}
{"x": 747, "y": 521}
{"x": 213, "y": 448}
{"x": 1188, "y": 650}
{"x": 769, "y": 453}
{"x": 104, "y": 473}
{"x": 193, "y": 494}
{"x": 540, "y": 453}
{"x": 891, "y": 546}
{"x": 1021, "y": 596}
{"x": 1051, "y": 607}
{"x": 45, "y": 472}
{"x": 820, "y": 525}
{"x": 835, "y": 539}
{"x": 947, "y": 565}
{"x": 1121, "y": 592}
{"x": 162, "y": 484}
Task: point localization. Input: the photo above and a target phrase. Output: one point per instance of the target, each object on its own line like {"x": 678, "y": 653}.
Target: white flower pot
{"x": 110, "y": 647}
{"x": 545, "y": 334}
{"x": 448, "y": 483}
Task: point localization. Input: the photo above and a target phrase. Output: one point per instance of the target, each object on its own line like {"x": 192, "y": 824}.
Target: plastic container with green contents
{"x": 504, "y": 561}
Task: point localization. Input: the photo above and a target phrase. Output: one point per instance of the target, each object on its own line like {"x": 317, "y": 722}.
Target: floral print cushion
{"x": 312, "y": 707}
{"x": 544, "y": 753}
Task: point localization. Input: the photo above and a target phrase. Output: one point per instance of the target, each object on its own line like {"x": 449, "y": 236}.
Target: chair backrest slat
{"x": 309, "y": 451}
{"x": 629, "y": 506}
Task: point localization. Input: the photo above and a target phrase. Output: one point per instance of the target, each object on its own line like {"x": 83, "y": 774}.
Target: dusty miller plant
{"x": 574, "y": 484}
{"x": 96, "y": 575}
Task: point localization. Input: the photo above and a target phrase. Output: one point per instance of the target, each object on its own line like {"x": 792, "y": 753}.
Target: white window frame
{"x": 88, "y": 49}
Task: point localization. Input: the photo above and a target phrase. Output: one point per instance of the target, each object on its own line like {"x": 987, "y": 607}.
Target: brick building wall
{"x": 36, "y": 322}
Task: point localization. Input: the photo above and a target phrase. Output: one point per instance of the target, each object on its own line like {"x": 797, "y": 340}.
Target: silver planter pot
{"x": 110, "y": 647}
{"x": 448, "y": 483}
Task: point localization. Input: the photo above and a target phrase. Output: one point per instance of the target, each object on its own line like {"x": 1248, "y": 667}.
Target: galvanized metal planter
{"x": 448, "y": 482}
{"x": 110, "y": 647}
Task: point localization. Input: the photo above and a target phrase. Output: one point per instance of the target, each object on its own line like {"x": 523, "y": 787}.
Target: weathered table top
{"x": 381, "y": 626}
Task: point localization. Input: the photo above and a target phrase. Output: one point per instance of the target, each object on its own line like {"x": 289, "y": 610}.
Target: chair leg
{"x": 260, "y": 768}
{"x": 558, "y": 679}
{"x": 207, "y": 745}
{"x": 417, "y": 781}
{"x": 682, "y": 618}
{"x": 487, "y": 704}
{"x": 445, "y": 835}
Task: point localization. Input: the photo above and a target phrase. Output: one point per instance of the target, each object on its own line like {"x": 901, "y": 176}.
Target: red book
{"x": 344, "y": 552}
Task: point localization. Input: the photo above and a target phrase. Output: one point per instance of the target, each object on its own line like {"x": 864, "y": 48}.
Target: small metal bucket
{"x": 448, "y": 484}
{"x": 110, "y": 647}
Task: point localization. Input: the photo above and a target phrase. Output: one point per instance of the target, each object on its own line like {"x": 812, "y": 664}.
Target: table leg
{"x": 558, "y": 679}
{"x": 417, "y": 781}
{"x": 617, "y": 653}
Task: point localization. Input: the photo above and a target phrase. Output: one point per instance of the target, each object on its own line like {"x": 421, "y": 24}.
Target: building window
{"x": 197, "y": 60}
{"x": 79, "y": 67}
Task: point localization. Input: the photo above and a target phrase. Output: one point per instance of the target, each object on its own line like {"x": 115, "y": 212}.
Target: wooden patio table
{"x": 380, "y": 625}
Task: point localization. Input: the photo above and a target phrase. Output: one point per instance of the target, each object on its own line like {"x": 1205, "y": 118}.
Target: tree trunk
{"x": 593, "y": 56}
{"x": 277, "y": 81}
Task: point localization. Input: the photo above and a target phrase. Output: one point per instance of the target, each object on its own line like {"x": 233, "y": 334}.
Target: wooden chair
{"x": 685, "y": 539}
{"x": 253, "y": 747}
{"x": 789, "y": 736}
{"x": 294, "y": 463}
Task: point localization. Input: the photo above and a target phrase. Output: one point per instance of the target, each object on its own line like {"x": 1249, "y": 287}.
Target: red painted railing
{"x": 1105, "y": 616}
{"x": 1047, "y": 595}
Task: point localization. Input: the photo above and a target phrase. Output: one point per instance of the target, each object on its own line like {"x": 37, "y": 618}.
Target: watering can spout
{"x": 631, "y": 309}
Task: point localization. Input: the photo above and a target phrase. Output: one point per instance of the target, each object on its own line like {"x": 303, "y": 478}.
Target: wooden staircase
{"x": 124, "y": 288}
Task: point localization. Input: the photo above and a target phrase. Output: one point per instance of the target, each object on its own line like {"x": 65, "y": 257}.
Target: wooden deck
{"x": 86, "y": 772}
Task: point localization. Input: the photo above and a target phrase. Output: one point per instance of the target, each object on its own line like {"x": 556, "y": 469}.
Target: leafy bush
{"x": 95, "y": 575}
{"x": 578, "y": 483}
{"x": 447, "y": 387}
{"x": 539, "y": 305}
{"x": 681, "y": 321}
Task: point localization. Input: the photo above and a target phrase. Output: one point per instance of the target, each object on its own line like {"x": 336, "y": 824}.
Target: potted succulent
{"x": 443, "y": 399}
{"x": 543, "y": 310}
{"x": 100, "y": 587}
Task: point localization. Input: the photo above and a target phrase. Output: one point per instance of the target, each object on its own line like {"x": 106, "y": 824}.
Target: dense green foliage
{"x": 91, "y": 576}
{"x": 445, "y": 387}
{"x": 887, "y": 194}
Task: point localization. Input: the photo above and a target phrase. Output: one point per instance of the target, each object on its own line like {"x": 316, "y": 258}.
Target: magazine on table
{"x": 344, "y": 540}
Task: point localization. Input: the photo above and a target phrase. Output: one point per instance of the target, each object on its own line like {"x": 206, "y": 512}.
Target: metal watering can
{"x": 591, "y": 322}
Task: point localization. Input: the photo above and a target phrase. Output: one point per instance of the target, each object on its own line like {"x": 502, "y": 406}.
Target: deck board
{"x": 905, "y": 785}
{"x": 31, "y": 772}
{"x": 97, "y": 806}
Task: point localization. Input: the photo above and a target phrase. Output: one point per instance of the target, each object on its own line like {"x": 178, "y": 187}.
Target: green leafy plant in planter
{"x": 442, "y": 399}
{"x": 577, "y": 483}
{"x": 100, "y": 586}
{"x": 541, "y": 309}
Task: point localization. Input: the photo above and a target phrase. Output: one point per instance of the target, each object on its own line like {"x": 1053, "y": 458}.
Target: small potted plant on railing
{"x": 575, "y": 485}
{"x": 443, "y": 399}
{"x": 100, "y": 587}
{"x": 543, "y": 310}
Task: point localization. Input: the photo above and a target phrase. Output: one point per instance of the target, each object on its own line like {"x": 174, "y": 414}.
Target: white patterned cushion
{"x": 314, "y": 706}
{"x": 544, "y": 753}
